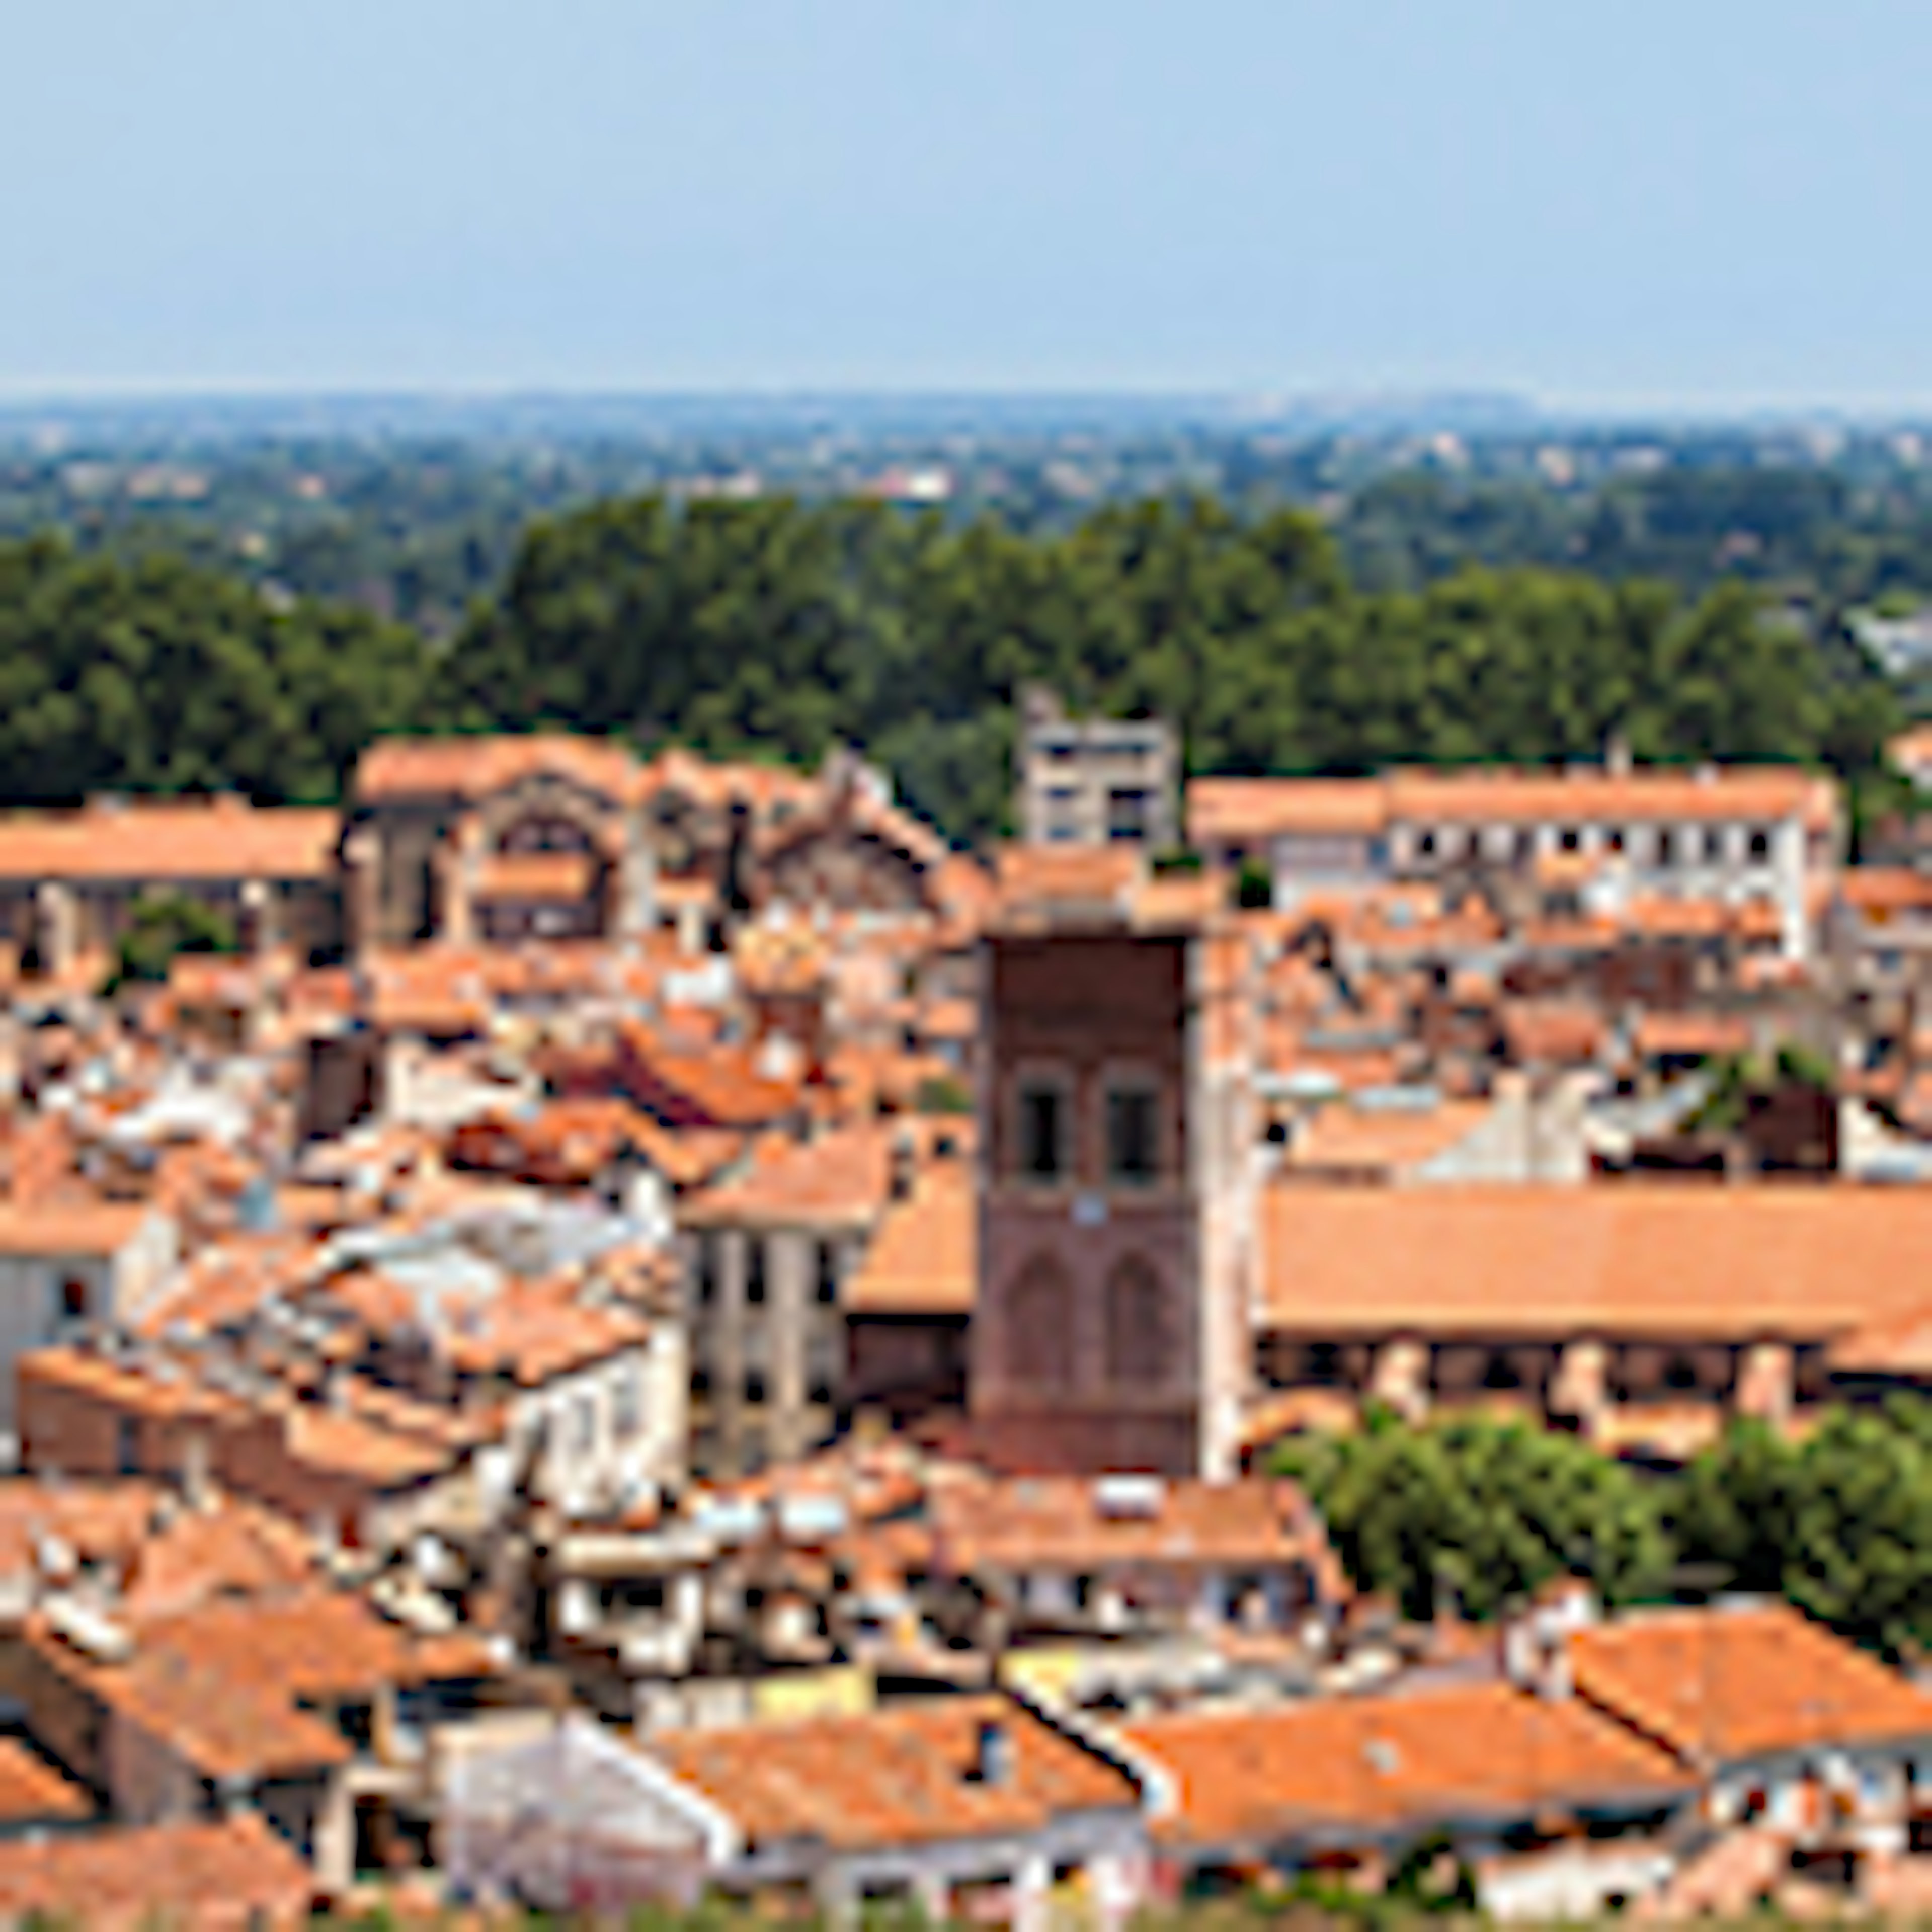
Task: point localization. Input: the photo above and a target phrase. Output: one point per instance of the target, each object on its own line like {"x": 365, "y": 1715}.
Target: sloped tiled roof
{"x": 892, "y": 1778}
{"x": 1719, "y": 1686}
{"x": 1346, "y": 1766}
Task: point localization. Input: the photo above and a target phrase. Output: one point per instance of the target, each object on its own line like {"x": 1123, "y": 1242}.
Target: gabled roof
{"x": 1356, "y": 1767}
{"x": 235, "y": 1873}
{"x": 895, "y": 1777}
{"x": 472, "y": 767}
{"x": 1720, "y": 1686}
{"x": 923, "y": 1258}
{"x": 837, "y": 1181}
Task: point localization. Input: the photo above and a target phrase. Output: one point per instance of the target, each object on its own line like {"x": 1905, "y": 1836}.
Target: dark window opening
{"x": 754, "y": 1271}
{"x": 827, "y": 1279}
{"x": 1041, "y": 1155}
{"x": 1133, "y": 1137}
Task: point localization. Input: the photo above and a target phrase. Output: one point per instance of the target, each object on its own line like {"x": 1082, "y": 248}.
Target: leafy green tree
{"x": 162, "y": 925}
{"x": 1861, "y": 1556}
{"x": 1481, "y": 1513}
{"x": 1735, "y": 1509}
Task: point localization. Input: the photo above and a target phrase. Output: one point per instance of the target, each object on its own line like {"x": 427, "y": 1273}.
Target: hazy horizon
{"x": 1646, "y": 210}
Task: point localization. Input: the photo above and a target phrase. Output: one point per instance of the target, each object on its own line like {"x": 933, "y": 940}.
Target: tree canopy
{"x": 772, "y": 628}
{"x": 1476, "y": 1514}
{"x": 777, "y": 625}
{"x": 154, "y": 675}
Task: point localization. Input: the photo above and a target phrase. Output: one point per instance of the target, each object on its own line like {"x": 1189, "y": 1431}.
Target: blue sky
{"x": 1623, "y": 203}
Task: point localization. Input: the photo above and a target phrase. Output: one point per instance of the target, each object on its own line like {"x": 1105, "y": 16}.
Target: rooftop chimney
{"x": 993, "y": 1752}
{"x": 905, "y": 1167}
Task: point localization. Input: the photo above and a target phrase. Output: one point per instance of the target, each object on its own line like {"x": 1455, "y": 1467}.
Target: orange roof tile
{"x": 1564, "y": 1031}
{"x": 1336, "y": 1766}
{"x": 1721, "y": 1685}
{"x": 1709, "y": 1036}
{"x": 535, "y": 875}
{"x": 922, "y": 1260}
{"x": 1019, "y": 1523}
{"x": 1885, "y": 889}
{"x": 837, "y": 1180}
{"x": 232, "y": 1874}
{"x": 31, "y": 1789}
{"x": 1342, "y": 1137}
{"x": 1632, "y": 1259}
{"x": 471, "y": 768}
{"x": 898, "y": 1776}
{"x": 156, "y": 840}
{"x": 1224, "y": 811}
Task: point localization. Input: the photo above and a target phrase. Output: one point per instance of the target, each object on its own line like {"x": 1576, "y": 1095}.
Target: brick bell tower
{"x": 1111, "y": 1328}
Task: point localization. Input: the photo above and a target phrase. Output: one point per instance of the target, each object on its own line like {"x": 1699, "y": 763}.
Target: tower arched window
{"x": 1135, "y": 1325}
{"x": 1039, "y": 1341}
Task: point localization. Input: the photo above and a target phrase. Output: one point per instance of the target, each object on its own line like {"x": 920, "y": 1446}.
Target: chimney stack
{"x": 993, "y": 1752}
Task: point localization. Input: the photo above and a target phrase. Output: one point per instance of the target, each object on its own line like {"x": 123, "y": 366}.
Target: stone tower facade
{"x": 1111, "y": 1329}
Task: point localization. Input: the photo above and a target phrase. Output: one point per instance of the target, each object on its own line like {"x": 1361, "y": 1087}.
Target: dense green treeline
{"x": 773, "y": 627}
{"x": 156, "y": 676}
{"x": 1475, "y": 1514}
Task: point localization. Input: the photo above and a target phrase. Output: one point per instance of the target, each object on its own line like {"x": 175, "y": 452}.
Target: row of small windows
{"x": 1669, "y": 847}
{"x": 709, "y": 1273}
{"x": 1131, "y": 1113}
{"x": 755, "y": 1387}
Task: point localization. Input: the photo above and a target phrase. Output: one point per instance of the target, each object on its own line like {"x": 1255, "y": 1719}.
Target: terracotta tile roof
{"x": 96, "y": 1521}
{"x": 1656, "y": 916}
{"x": 1884, "y": 890}
{"x": 715, "y": 784}
{"x": 1365, "y": 1766}
{"x": 535, "y": 875}
{"x": 1595, "y": 796}
{"x": 1232, "y": 811}
{"x": 1722, "y": 1685}
{"x": 156, "y": 840}
{"x": 894, "y": 1777}
{"x": 982, "y": 1523}
{"x": 1899, "y": 1344}
{"x": 1045, "y": 877}
{"x": 208, "y": 1877}
{"x": 55, "y": 1227}
{"x": 1565, "y": 1032}
{"x": 471, "y": 768}
{"x": 1351, "y": 1138}
{"x": 838, "y": 1180}
{"x": 923, "y": 1259}
{"x": 1707, "y": 1035}
{"x": 30, "y": 1790}
{"x": 714, "y": 1087}
{"x": 1630, "y": 1259}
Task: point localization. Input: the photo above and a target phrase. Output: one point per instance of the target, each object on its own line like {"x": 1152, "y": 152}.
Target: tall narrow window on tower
{"x": 1133, "y": 1134}
{"x": 1042, "y": 1132}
